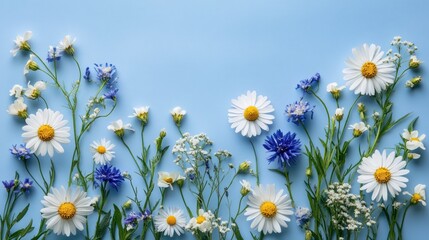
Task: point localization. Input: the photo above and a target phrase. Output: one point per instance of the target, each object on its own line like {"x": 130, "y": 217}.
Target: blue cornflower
{"x": 87, "y": 74}
{"x": 284, "y": 147}
{"x": 296, "y": 111}
{"x": 21, "y": 152}
{"x": 26, "y": 185}
{"x": 132, "y": 220}
{"x": 111, "y": 94}
{"x": 146, "y": 214}
{"x": 106, "y": 72}
{"x": 109, "y": 174}
{"x": 307, "y": 83}
{"x": 10, "y": 185}
{"x": 53, "y": 54}
{"x": 302, "y": 216}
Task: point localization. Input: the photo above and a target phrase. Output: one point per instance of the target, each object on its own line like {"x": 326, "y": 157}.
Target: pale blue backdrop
{"x": 201, "y": 54}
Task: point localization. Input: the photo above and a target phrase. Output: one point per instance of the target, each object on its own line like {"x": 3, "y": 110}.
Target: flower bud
{"x": 361, "y": 107}
{"x": 180, "y": 182}
{"x": 244, "y": 191}
{"x": 414, "y": 62}
{"x": 127, "y": 204}
{"x": 244, "y": 167}
{"x": 32, "y": 65}
{"x": 339, "y": 113}
{"x": 308, "y": 171}
{"x": 308, "y": 235}
{"x": 415, "y": 81}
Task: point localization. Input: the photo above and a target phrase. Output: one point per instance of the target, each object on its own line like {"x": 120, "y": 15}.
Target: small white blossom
{"x": 16, "y": 91}
{"x": 414, "y": 141}
{"x": 33, "y": 92}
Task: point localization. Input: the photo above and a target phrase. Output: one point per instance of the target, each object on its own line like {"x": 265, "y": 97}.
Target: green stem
{"x": 256, "y": 162}
{"x": 289, "y": 187}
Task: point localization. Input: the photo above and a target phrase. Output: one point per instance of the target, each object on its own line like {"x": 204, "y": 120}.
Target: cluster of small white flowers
{"x": 93, "y": 101}
{"x": 222, "y": 226}
{"x": 398, "y": 42}
{"x": 95, "y": 113}
{"x": 191, "y": 149}
{"x": 348, "y": 209}
{"x": 223, "y": 154}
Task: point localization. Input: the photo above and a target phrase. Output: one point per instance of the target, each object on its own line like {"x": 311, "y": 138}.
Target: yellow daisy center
{"x": 251, "y": 113}
{"x": 171, "y": 220}
{"x": 67, "y": 210}
{"x": 415, "y": 139}
{"x": 200, "y": 219}
{"x": 101, "y": 149}
{"x": 382, "y": 175}
{"x": 168, "y": 180}
{"x": 268, "y": 209}
{"x": 369, "y": 70}
{"x": 416, "y": 198}
{"x": 46, "y": 133}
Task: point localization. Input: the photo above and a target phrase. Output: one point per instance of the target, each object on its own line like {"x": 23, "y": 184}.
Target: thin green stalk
{"x": 256, "y": 162}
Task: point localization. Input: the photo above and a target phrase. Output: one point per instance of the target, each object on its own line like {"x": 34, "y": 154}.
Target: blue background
{"x": 200, "y": 55}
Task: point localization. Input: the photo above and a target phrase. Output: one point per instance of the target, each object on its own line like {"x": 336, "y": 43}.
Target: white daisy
{"x": 119, "y": 128}
{"x": 414, "y": 141}
{"x": 21, "y": 43}
{"x": 268, "y": 209}
{"x": 177, "y": 113}
{"x": 246, "y": 187}
{"x": 33, "y": 92}
{"x": 419, "y": 195}
{"x": 412, "y": 156}
{"x": 382, "y": 174}
{"x": 66, "y": 45}
{"x": 334, "y": 89}
{"x": 102, "y": 151}
{"x": 358, "y": 128}
{"x": 339, "y": 113}
{"x": 141, "y": 113}
{"x": 18, "y": 108}
{"x": 202, "y": 222}
{"x": 30, "y": 65}
{"x": 250, "y": 114}
{"x": 166, "y": 179}
{"x": 16, "y": 91}
{"x": 45, "y": 131}
{"x": 367, "y": 72}
{"x": 66, "y": 211}
{"x": 170, "y": 222}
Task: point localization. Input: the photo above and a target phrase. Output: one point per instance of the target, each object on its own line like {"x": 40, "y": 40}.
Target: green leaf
{"x": 412, "y": 123}
{"x": 21, "y": 214}
{"x": 102, "y": 226}
{"x": 23, "y": 231}
{"x": 236, "y": 230}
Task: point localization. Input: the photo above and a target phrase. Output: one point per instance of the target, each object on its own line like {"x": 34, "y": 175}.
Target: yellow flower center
{"x": 416, "y": 198}
{"x": 101, "y": 149}
{"x": 268, "y": 209}
{"x": 369, "y": 70}
{"x": 46, "y": 133}
{"x": 171, "y": 220}
{"x": 67, "y": 210}
{"x": 200, "y": 219}
{"x": 168, "y": 180}
{"x": 382, "y": 175}
{"x": 414, "y": 139}
{"x": 251, "y": 113}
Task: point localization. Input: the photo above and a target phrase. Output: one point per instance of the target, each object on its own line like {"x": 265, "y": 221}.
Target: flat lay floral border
{"x": 347, "y": 193}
